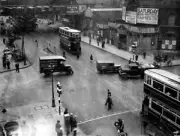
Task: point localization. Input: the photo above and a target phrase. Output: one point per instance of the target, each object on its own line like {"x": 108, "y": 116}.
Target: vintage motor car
{"x": 131, "y": 70}
{"x": 103, "y": 66}
{"x": 49, "y": 64}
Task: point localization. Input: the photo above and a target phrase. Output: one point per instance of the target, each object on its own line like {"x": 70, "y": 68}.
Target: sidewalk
{"x": 12, "y": 62}
{"x": 125, "y": 54}
{"x": 41, "y": 116}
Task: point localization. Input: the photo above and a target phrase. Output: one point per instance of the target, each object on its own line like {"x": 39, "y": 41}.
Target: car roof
{"x": 104, "y": 61}
{"x": 52, "y": 57}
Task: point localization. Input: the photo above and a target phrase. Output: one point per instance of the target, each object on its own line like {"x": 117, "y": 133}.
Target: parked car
{"x": 12, "y": 128}
{"x": 103, "y": 66}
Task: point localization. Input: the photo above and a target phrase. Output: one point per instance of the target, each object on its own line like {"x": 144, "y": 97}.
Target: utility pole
{"x": 59, "y": 91}
{"x": 53, "y": 99}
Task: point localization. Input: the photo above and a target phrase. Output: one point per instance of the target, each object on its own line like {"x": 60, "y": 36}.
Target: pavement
{"x": 12, "y": 62}
{"x": 126, "y": 54}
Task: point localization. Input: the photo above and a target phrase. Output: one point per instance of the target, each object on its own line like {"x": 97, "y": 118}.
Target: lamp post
{"x": 53, "y": 99}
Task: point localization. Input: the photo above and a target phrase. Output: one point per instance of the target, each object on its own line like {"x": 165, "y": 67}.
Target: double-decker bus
{"x": 70, "y": 40}
{"x": 162, "y": 98}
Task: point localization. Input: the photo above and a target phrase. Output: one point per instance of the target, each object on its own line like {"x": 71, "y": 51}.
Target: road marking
{"x": 110, "y": 115}
{"x": 3, "y": 78}
{"x": 92, "y": 71}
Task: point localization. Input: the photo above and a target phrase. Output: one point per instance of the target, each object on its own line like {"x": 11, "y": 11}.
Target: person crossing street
{"x": 109, "y": 102}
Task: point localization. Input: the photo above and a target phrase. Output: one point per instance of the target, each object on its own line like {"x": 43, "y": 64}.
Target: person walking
{"x": 109, "y": 103}
{"x": 8, "y": 64}
{"x": 144, "y": 54}
{"x": 71, "y": 122}
{"x": 74, "y": 125}
{"x": 64, "y": 54}
{"x": 90, "y": 40}
{"x": 58, "y": 128}
{"x": 91, "y": 57}
{"x": 67, "y": 122}
{"x": 103, "y": 43}
{"x": 98, "y": 41}
{"x": 108, "y": 93}
{"x": 17, "y": 67}
{"x": 136, "y": 57}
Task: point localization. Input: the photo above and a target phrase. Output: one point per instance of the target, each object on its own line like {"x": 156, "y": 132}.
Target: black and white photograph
{"x": 90, "y": 68}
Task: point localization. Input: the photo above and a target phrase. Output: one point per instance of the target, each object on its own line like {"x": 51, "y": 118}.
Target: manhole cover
{"x": 38, "y": 108}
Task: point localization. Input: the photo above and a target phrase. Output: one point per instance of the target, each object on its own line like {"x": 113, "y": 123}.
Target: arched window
{"x": 171, "y": 19}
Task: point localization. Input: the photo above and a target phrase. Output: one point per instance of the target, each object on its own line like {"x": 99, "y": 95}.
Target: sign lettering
{"x": 147, "y": 15}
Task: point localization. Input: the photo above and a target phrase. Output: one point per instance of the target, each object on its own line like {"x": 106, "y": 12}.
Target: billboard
{"x": 147, "y": 15}
{"x": 72, "y": 9}
{"x": 131, "y": 17}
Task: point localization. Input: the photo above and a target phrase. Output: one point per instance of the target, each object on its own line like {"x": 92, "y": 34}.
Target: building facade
{"x": 151, "y": 25}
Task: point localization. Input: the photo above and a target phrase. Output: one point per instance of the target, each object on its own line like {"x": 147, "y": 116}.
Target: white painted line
{"x": 92, "y": 71}
{"x": 110, "y": 115}
{"x": 3, "y": 78}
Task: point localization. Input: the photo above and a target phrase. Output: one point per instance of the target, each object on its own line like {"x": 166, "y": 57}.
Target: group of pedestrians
{"x": 70, "y": 123}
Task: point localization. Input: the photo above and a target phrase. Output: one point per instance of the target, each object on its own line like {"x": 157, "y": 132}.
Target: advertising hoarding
{"x": 72, "y": 9}
{"x": 147, "y": 15}
{"x": 131, "y": 17}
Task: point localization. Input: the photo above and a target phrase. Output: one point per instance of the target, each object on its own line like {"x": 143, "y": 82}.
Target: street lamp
{"x": 53, "y": 99}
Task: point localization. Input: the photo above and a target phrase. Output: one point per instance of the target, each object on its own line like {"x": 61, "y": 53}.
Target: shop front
{"x": 126, "y": 36}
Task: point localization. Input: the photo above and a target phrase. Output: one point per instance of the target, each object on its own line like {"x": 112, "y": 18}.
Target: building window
{"x": 171, "y": 19}
{"x": 178, "y": 120}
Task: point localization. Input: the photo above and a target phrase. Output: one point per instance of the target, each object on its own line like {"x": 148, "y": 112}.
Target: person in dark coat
{"x": 17, "y": 67}
{"x": 108, "y": 93}
{"x": 91, "y": 57}
{"x": 103, "y": 44}
{"x": 4, "y": 61}
{"x": 136, "y": 57}
{"x": 8, "y": 64}
{"x": 144, "y": 54}
{"x": 64, "y": 54}
{"x": 109, "y": 103}
{"x": 74, "y": 125}
{"x": 71, "y": 121}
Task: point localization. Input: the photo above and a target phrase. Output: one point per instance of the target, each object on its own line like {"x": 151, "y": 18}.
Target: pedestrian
{"x": 66, "y": 111}
{"x": 71, "y": 121}
{"x": 91, "y": 57}
{"x": 109, "y": 103}
{"x": 58, "y": 128}
{"x": 4, "y": 40}
{"x": 98, "y": 41}
{"x": 4, "y": 61}
{"x": 90, "y": 40}
{"x": 108, "y": 93}
{"x": 67, "y": 122}
{"x": 78, "y": 56}
{"x": 129, "y": 60}
{"x": 144, "y": 54}
{"x": 8, "y": 64}
{"x": 103, "y": 43}
{"x": 74, "y": 124}
{"x": 64, "y": 54}
{"x": 136, "y": 57}
{"x": 17, "y": 67}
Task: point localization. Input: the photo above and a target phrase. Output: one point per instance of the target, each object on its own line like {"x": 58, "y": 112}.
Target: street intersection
{"x": 28, "y": 93}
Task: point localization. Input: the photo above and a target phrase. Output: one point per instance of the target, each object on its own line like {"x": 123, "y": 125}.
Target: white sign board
{"x": 147, "y": 15}
{"x": 131, "y": 17}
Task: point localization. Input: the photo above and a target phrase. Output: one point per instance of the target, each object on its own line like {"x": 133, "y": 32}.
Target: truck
{"x": 104, "y": 66}
{"x": 51, "y": 64}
